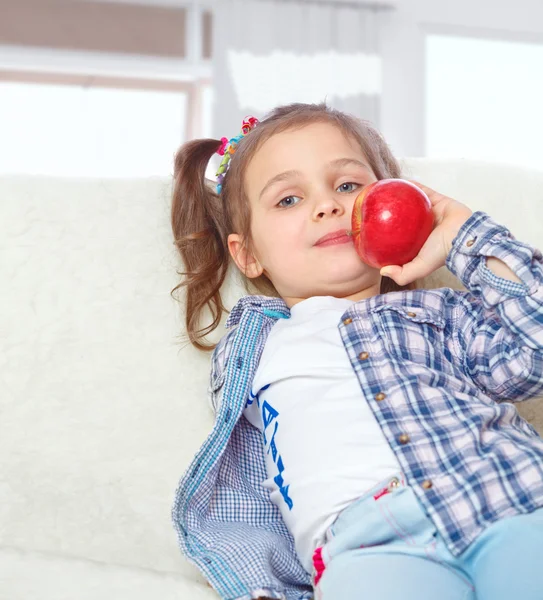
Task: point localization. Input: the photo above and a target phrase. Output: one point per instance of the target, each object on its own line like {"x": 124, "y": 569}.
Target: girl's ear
{"x": 245, "y": 261}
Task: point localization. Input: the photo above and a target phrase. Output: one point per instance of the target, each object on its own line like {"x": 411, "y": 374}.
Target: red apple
{"x": 391, "y": 220}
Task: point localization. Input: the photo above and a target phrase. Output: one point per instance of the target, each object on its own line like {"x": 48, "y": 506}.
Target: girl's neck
{"x": 369, "y": 292}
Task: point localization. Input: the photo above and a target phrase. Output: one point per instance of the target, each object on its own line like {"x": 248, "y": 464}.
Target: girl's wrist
{"x": 457, "y": 224}
{"x": 500, "y": 269}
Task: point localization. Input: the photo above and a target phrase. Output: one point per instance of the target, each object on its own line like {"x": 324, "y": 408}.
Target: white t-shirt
{"x": 323, "y": 446}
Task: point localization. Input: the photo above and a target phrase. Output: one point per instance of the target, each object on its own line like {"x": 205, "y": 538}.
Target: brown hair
{"x": 202, "y": 219}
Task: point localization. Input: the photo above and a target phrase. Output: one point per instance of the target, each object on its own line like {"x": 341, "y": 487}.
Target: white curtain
{"x": 271, "y": 52}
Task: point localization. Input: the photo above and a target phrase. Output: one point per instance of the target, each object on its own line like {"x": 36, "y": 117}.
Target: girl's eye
{"x": 347, "y": 187}
{"x": 289, "y": 201}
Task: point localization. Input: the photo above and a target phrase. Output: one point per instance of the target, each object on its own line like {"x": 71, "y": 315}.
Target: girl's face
{"x": 302, "y": 185}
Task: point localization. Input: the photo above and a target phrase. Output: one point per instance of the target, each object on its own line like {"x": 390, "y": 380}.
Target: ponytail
{"x": 199, "y": 230}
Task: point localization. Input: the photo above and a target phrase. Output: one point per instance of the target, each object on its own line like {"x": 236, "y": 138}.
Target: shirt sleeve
{"x": 498, "y": 325}
{"x": 219, "y": 362}
{"x": 214, "y": 398}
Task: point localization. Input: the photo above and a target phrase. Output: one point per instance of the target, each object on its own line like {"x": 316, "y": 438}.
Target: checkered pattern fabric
{"x": 435, "y": 366}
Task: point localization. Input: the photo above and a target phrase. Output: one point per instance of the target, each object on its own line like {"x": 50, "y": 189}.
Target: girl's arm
{"x": 498, "y": 328}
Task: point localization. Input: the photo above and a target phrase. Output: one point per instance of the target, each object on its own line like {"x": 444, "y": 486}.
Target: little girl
{"x": 362, "y": 447}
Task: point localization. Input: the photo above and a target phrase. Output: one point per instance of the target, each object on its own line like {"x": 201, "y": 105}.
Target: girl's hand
{"x": 449, "y": 216}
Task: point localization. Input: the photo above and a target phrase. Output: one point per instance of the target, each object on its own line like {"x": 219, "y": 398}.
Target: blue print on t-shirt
{"x": 269, "y": 416}
{"x": 281, "y": 484}
{"x": 252, "y": 397}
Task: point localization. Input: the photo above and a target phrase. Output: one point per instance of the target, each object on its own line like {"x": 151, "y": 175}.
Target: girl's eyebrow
{"x": 345, "y": 162}
{"x": 280, "y": 177}
{"x": 338, "y": 162}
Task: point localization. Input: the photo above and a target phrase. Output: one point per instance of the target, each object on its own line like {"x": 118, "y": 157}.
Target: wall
{"x": 403, "y": 40}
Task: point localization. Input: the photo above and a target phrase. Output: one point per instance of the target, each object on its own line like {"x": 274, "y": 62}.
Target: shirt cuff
{"x": 481, "y": 237}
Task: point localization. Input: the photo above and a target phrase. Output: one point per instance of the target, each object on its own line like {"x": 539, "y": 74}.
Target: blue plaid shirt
{"x": 441, "y": 364}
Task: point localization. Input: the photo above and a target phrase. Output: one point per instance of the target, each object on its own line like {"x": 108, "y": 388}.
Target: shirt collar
{"x": 274, "y": 308}
{"x": 420, "y": 305}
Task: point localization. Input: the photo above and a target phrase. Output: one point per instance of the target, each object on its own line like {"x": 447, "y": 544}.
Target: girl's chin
{"x": 348, "y": 268}
{"x": 347, "y": 278}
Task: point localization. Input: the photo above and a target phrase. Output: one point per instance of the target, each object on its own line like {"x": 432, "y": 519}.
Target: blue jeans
{"x": 384, "y": 547}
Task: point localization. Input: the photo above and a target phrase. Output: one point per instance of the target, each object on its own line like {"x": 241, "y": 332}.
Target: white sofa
{"x": 102, "y": 405}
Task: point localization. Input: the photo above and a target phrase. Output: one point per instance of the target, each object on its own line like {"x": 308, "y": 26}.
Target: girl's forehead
{"x": 325, "y": 135}
{"x": 308, "y": 145}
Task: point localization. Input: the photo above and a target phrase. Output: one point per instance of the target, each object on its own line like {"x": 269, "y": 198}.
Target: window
{"x": 69, "y": 130}
{"x": 484, "y": 100}
{"x": 283, "y": 77}
{"x": 102, "y": 89}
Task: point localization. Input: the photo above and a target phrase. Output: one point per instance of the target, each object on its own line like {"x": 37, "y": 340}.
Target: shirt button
{"x": 347, "y": 321}
{"x": 380, "y": 396}
{"x": 393, "y": 483}
{"x": 364, "y": 355}
{"x": 403, "y": 438}
{"x": 411, "y": 314}
{"x": 426, "y": 484}
{"x": 470, "y": 243}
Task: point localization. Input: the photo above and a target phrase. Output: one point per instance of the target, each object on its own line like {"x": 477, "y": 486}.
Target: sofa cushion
{"x": 34, "y": 576}
{"x": 103, "y": 403}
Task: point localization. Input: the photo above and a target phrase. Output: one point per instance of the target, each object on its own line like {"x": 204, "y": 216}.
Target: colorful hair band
{"x": 228, "y": 148}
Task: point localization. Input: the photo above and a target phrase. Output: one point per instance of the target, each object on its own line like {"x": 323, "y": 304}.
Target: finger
{"x": 432, "y": 194}
{"x": 401, "y": 275}
{"x": 420, "y": 185}
{"x": 411, "y": 271}
{"x": 391, "y": 271}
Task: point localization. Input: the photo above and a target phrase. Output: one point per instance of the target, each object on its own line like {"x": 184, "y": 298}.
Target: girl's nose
{"x": 328, "y": 207}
